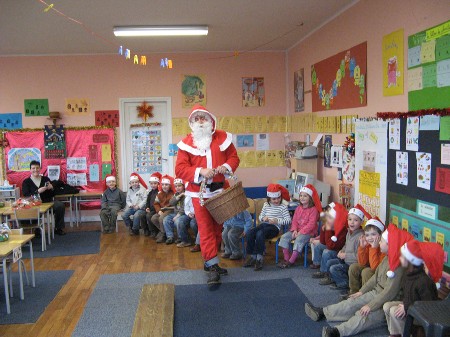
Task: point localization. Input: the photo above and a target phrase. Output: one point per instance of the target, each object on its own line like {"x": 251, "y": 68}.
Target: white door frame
{"x": 124, "y": 133}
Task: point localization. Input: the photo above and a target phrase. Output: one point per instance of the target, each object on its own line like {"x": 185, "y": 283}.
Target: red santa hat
{"x": 110, "y": 177}
{"x": 155, "y": 177}
{"x": 340, "y": 214}
{"x": 430, "y": 253}
{"x": 166, "y": 179}
{"x": 375, "y": 221}
{"x": 178, "y": 181}
{"x": 276, "y": 190}
{"x": 395, "y": 238}
{"x": 197, "y": 109}
{"x": 360, "y": 212}
{"x": 134, "y": 176}
{"x": 311, "y": 191}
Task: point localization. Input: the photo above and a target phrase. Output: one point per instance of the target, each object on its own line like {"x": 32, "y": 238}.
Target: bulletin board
{"x": 429, "y": 68}
{"x": 339, "y": 82}
{"x": 91, "y": 151}
{"x": 424, "y": 213}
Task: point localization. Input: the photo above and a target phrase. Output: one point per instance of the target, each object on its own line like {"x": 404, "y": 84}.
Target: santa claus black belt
{"x": 214, "y": 186}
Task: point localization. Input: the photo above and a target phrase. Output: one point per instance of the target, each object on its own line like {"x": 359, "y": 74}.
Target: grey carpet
{"x": 112, "y": 306}
{"x": 48, "y": 284}
{"x": 73, "y": 243}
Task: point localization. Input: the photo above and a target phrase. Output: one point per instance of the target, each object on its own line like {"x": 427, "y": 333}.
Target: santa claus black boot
{"x": 213, "y": 279}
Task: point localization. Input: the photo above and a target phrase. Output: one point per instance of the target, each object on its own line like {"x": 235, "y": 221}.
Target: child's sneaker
{"x": 178, "y": 240}
{"x": 258, "y": 265}
{"x": 250, "y": 262}
{"x": 196, "y": 249}
{"x": 326, "y": 281}
{"x": 184, "y": 244}
{"x": 319, "y": 274}
{"x": 225, "y": 255}
{"x": 236, "y": 257}
{"x": 169, "y": 241}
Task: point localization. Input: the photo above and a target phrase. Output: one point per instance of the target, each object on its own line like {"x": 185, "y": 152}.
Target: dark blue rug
{"x": 257, "y": 308}
{"x": 48, "y": 284}
{"x": 73, "y": 243}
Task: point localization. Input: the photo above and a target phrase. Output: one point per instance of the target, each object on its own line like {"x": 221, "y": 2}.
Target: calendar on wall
{"x": 147, "y": 151}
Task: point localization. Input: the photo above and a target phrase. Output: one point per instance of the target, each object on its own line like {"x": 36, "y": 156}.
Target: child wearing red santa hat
{"x": 364, "y": 309}
{"x": 161, "y": 205}
{"x": 274, "y": 215}
{"x": 417, "y": 285}
{"x": 332, "y": 239}
{"x": 113, "y": 200}
{"x": 304, "y": 225}
{"x": 149, "y": 228}
{"x": 136, "y": 198}
{"x": 369, "y": 256}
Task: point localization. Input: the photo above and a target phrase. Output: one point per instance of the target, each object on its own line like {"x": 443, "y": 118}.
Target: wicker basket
{"x": 228, "y": 203}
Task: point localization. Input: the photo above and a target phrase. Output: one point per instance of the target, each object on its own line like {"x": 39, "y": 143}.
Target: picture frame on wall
{"x": 253, "y": 92}
{"x": 299, "y": 92}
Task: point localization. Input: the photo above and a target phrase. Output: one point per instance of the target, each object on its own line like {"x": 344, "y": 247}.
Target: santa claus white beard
{"x": 202, "y": 135}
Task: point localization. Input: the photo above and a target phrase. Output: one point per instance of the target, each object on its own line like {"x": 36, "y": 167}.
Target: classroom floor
{"x": 119, "y": 253}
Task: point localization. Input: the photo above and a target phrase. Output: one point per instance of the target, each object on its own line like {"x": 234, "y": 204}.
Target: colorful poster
{"x": 423, "y": 170}
{"x": 94, "y": 174}
{"x": 193, "y": 90}
{"x": 11, "y": 121}
{"x": 429, "y": 123}
{"x": 444, "y": 131}
{"x": 76, "y": 179}
{"x": 147, "y": 151}
{"x": 369, "y": 160}
{"x": 262, "y": 141}
{"x": 327, "y": 144}
{"x": 253, "y": 92}
{"x": 19, "y": 158}
{"x": 173, "y": 150}
{"x": 245, "y": 140}
{"x": 412, "y": 134}
{"x": 53, "y": 172}
{"x": 106, "y": 169}
{"x": 54, "y": 142}
{"x": 337, "y": 155}
{"x": 393, "y": 63}
{"x": 78, "y": 106}
{"x": 442, "y": 180}
{"x": 402, "y": 168}
{"x": 394, "y": 134}
{"x": 36, "y": 107}
{"x": 93, "y": 153}
{"x": 299, "y": 92}
{"x": 339, "y": 82}
{"x": 106, "y": 152}
{"x": 107, "y": 118}
{"x": 76, "y": 163}
{"x": 348, "y": 170}
{"x": 445, "y": 154}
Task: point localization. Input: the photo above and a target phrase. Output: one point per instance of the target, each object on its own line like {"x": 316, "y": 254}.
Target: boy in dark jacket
{"x": 149, "y": 228}
{"x": 113, "y": 200}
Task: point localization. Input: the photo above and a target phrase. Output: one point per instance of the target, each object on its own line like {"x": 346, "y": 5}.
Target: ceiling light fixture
{"x": 160, "y": 30}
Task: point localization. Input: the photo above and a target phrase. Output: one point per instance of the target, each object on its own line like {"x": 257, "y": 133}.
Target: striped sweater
{"x": 280, "y": 212}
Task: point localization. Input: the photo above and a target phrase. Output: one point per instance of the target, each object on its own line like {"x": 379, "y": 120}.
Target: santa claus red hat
{"x": 395, "y": 238}
{"x": 197, "y": 109}
{"x": 430, "y": 253}
{"x": 136, "y": 177}
{"x": 276, "y": 190}
{"x": 110, "y": 177}
{"x": 155, "y": 177}
{"x": 340, "y": 214}
{"x": 360, "y": 212}
{"x": 375, "y": 221}
{"x": 312, "y": 192}
{"x": 178, "y": 181}
{"x": 166, "y": 179}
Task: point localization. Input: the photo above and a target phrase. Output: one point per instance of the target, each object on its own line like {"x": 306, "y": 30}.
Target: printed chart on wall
{"x": 147, "y": 151}
{"x": 429, "y": 68}
{"x": 339, "y": 82}
{"x": 371, "y": 166}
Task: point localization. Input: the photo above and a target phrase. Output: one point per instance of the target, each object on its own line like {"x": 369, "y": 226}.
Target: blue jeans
{"x": 256, "y": 238}
{"x": 137, "y": 216}
{"x": 322, "y": 255}
{"x": 169, "y": 225}
{"x": 197, "y": 238}
{"x": 183, "y": 223}
{"x": 339, "y": 273}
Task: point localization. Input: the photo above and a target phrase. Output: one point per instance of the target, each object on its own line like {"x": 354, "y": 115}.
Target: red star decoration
{"x": 145, "y": 111}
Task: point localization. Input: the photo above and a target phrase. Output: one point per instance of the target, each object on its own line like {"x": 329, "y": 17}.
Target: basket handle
{"x": 203, "y": 185}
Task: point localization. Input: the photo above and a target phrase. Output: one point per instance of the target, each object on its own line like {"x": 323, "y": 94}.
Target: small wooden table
{"x": 6, "y": 249}
{"x": 45, "y": 208}
{"x": 85, "y": 196}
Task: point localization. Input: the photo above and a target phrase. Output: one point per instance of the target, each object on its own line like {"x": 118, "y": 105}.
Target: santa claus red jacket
{"x": 191, "y": 160}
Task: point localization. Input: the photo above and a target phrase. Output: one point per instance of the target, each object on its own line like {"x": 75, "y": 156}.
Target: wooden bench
{"x": 155, "y": 313}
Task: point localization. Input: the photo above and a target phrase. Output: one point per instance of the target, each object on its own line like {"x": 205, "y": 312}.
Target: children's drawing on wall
{"x": 245, "y": 141}
{"x": 299, "y": 94}
{"x": 253, "y": 92}
{"x": 402, "y": 168}
{"x": 36, "y": 107}
{"x": 369, "y": 161}
{"x": 19, "y": 158}
{"x": 412, "y": 134}
{"x": 393, "y": 63}
{"x": 11, "y": 121}
{"x": 78, "y": 106}
{"x": 328, "y": 142}
{"x": 423, "y": 169}
{"x": 193, "y": 89}
{"x": 337, "y": 156}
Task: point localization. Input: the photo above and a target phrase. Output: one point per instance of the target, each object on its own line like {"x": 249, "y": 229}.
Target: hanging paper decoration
{"x": 120, "y": 50}
{"x": 349, "y": 144}
{"x": 143, "y": 60}
{"x": 127, "y": 54}
{"x": 166, "y": 63}
{"x": 136, "y": 59}
{"x": 54, "y": 142}
{"x": 145, "y": 111}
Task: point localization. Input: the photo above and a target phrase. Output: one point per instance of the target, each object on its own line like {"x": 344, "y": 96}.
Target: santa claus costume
{"x": 208, "y": 154}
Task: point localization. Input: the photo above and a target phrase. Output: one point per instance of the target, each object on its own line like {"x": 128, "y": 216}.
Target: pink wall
{"x": 106, "y": 78}
{"x": 366, "y": 21}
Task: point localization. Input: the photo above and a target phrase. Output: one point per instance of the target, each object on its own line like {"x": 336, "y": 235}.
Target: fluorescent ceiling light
{"x": 160, "y": 30}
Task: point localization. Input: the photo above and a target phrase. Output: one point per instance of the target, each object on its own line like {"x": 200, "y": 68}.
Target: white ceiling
{"x": 25, "y": 29}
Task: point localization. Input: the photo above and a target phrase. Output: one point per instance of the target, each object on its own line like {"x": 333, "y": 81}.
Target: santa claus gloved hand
{"x": 222, "y": 170}
{"x": 207, "y": 173}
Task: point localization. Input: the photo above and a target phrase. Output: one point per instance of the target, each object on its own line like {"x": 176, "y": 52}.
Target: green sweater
{"x": 387, "y": 289}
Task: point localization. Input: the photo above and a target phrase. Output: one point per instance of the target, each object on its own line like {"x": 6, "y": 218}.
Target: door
{"x": 145, "y": 149}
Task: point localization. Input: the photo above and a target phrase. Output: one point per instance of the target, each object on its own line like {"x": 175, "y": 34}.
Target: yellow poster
{"x": 392, "y": 68}
{"x": 226, "y": 124}
{"x": 260, "y": 157}
{"x": 261, "y": 124}
{"x": 78, "y": 106}
{"x": 369, "y": 183}
{"x": 426, "y": 234}
{"x": 440, "y": 238}
{"x": 395, "y": 220}
{"x": 405, "y": 224}
{"x": 249, "y": 124}
{"x": 106, "y": 152}
{"x": 250, "y": 159}
{"x": 271, "y": 158}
